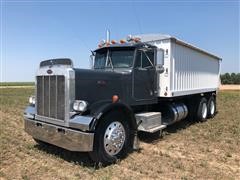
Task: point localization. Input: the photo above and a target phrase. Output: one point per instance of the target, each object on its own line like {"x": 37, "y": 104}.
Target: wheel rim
{"x": 204, "y": 110}
{"x": 212, "y": 107}
{"x": 114, "y": 138}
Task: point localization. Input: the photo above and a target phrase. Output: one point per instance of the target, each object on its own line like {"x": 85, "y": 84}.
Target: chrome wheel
{"x": 204, "y": 110}
{"x": 114, "y": 138}
{"x": 212, "y": 107}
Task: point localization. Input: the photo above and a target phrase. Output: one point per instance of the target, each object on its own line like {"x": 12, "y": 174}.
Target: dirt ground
{"x": 230, "y": 87}
{"x": 187, "y": 150}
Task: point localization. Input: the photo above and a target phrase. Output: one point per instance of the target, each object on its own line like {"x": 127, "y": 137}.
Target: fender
{"x": 105, "y": 107}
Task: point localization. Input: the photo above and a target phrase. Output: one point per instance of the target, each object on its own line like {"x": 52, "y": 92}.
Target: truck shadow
{"x": 84, "y": 160}
{"x": 78, "y": 158}
{"x": 153, "y": 138}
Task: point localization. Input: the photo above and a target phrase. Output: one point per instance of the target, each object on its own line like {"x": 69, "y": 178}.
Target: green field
{"x": 16, "y": 83}
{"x": 188, "y": 150}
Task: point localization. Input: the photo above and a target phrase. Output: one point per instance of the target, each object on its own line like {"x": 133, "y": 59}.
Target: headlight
{"x": 32, "y": 100}
{"x": 80, "y": 105}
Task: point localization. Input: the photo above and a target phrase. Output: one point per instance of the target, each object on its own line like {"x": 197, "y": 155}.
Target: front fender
{"x": 107, "y": 107}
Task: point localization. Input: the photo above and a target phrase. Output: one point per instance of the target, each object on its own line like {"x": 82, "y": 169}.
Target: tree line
{"x": 233, "y": 78}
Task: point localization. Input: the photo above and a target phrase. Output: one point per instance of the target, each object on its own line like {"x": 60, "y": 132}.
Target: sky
{"x": 32, "y": 31}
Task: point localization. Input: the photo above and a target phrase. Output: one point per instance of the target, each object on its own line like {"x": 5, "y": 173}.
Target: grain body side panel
{"x": 192, "y": 71}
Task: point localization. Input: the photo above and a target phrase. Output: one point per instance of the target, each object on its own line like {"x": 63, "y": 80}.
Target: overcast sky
{"x": 32, "y": 31}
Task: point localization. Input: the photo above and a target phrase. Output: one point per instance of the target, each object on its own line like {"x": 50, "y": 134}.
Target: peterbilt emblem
{"x": 49, "y": 71}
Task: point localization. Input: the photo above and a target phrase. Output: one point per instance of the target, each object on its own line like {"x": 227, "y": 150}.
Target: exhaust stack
{"x": 108, "y": 36}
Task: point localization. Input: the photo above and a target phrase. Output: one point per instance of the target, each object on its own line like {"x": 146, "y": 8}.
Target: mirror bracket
{"x": 160, "y": 69}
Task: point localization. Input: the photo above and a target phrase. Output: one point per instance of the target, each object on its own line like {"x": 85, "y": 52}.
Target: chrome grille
{"x": 51, "y": 96}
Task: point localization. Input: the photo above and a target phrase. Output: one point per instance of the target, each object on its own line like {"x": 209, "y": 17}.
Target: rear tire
{"x": 202, "y": 110}
{"x": 211, "y": 107}
{"x": 111, "y": 139}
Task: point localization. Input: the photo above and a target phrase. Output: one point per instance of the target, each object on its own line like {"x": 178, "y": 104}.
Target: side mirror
{"x": 160, "y": 57}
{"x": 160, "y": 61}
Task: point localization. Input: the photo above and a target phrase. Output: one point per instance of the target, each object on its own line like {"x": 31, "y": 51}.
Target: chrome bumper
{"x": 66, "y": 138}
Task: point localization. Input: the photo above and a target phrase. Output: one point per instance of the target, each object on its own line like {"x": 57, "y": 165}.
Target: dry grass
{"x": 187, "y": 150}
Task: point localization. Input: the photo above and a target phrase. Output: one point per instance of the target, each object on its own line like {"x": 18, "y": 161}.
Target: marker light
{"x": 136, "y": 39}
{"x": 122, "y": 41}
{"x": 113, "y": 42}
{"x": 115, "y": 98}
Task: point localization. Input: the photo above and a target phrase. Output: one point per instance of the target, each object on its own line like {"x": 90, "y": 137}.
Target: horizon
{"x": 35, "y": 31}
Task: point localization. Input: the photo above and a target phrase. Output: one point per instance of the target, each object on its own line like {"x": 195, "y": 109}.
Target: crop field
{"x": 187, "y": 150}
{"x": 14, "y": 84}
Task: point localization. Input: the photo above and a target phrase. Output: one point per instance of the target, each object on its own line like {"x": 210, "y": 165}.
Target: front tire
{"x": 111, "y": 140}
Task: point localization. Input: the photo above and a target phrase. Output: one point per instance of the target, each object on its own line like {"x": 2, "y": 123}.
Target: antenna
{"x": 137, "y": 18}
{"x": 108, "y": 36}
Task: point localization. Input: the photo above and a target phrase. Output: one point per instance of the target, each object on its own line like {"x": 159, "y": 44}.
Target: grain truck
{"x": 140, "y": 83}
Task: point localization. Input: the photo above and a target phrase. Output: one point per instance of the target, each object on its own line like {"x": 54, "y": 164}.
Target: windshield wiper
{"x": 148, "y": 58}
{"x": 111, "y": 63}
{"x": 110, "y": 60}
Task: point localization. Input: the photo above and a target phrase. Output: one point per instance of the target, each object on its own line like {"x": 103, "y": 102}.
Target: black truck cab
{"x": 126, "y": 71}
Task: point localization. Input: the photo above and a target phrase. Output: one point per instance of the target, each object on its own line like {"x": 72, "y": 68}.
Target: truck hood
{"x": 93, "y": 85}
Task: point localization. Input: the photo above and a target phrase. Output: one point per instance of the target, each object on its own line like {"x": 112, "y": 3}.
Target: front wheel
{"x": 111, "y": 140}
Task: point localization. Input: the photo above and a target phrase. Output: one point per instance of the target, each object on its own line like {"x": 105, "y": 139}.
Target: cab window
{"x": 144, "y": 59}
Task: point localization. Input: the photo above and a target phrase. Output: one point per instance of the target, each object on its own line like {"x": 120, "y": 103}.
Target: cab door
{"x": 144, "y": 75}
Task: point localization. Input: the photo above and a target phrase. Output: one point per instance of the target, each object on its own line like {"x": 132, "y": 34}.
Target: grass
{"x": 187, "y": 150}
{"x": 16, "y": 83}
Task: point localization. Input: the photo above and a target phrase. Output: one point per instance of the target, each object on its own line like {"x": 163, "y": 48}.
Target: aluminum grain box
{"x": 188, "y": 69}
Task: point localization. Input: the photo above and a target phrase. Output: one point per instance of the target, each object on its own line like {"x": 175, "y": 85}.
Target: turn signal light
{"x": 137, "y": 40}
{"x": 122, "y": 41}
{"x": 115, "y": 98}
{"x": 113, "y": 42}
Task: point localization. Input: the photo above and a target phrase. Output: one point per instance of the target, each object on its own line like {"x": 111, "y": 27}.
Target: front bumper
{"x": 73, "y": 140}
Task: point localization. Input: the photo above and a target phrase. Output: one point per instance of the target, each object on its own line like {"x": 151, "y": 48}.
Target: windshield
{"x": 114, "y": 58}
{"x": 100, "y": 60}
